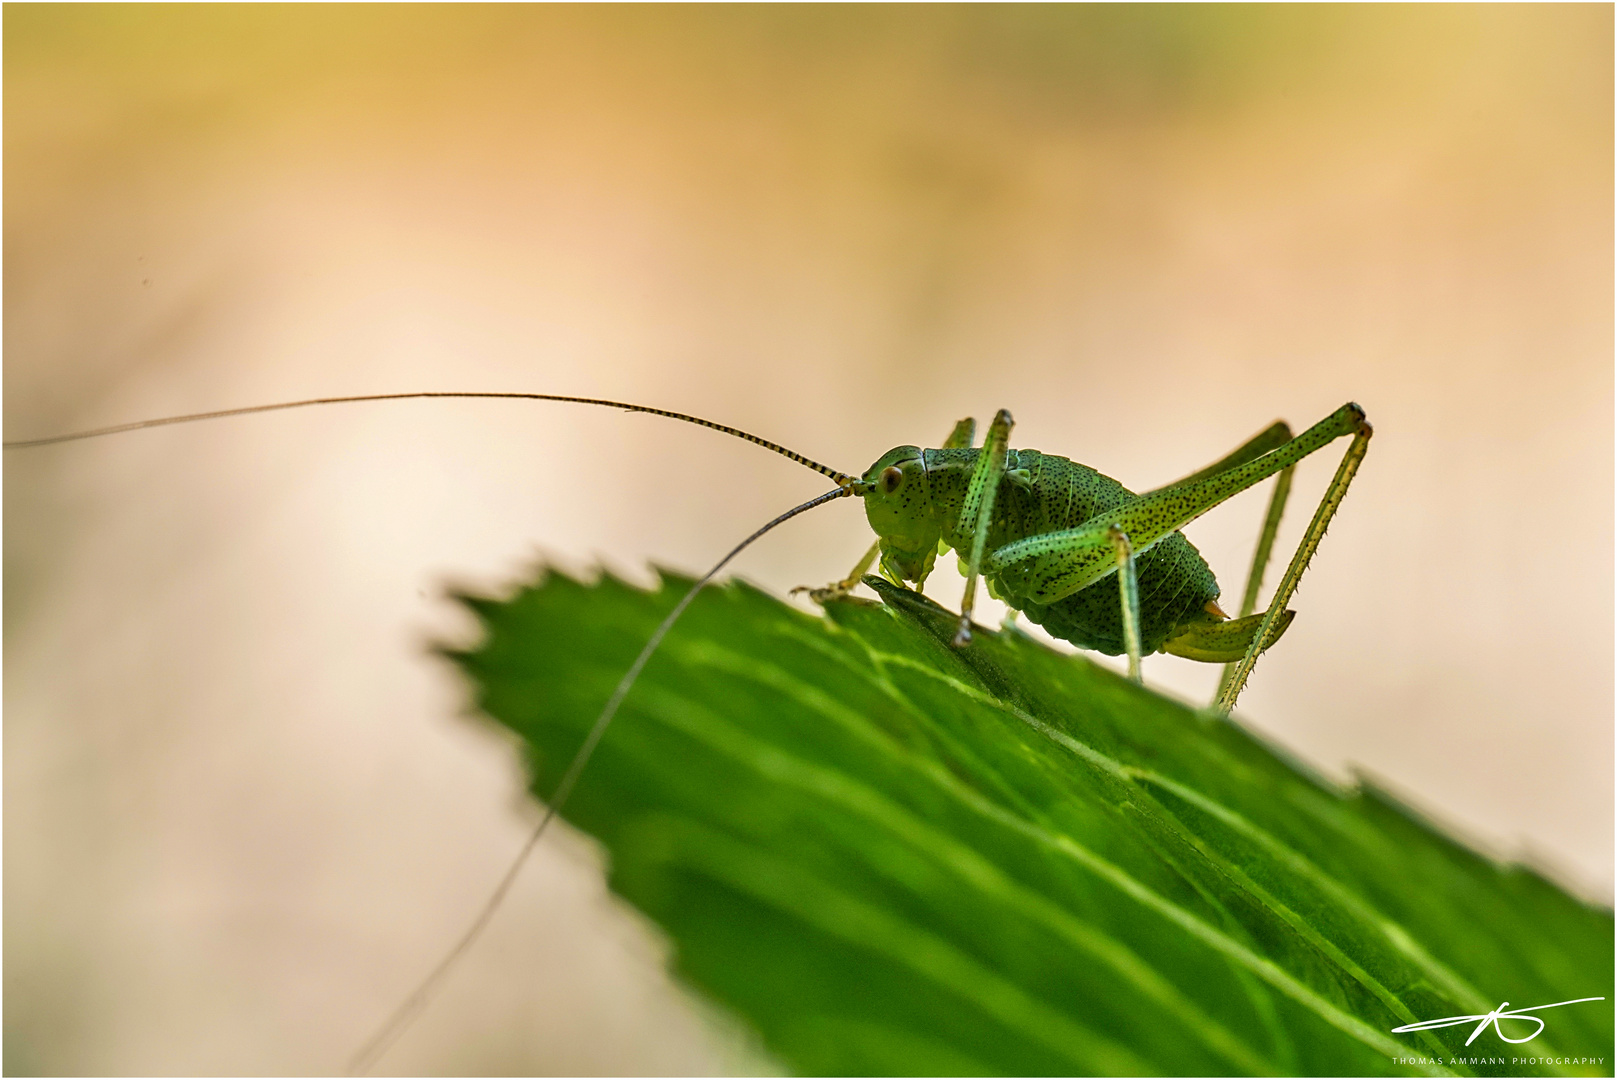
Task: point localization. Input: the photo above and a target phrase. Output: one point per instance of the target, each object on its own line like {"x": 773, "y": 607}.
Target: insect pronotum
{"x": 1046, "y": 534}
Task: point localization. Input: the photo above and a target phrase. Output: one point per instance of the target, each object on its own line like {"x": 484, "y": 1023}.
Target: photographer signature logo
{"x": 1504, "y": 1012}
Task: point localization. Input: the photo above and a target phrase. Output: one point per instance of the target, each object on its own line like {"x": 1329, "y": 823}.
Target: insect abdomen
{"x": 1045, "y": 493}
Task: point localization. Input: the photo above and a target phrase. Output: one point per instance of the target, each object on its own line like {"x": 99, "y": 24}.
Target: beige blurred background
{"x": 244, "y": 809}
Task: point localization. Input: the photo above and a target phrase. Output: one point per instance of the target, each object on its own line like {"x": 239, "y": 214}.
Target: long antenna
{"x": 405, "y": 1014}
{"x": 118, "y": 429}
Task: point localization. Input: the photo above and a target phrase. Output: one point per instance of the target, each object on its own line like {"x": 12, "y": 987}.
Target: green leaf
{"x": 894, "y": 857}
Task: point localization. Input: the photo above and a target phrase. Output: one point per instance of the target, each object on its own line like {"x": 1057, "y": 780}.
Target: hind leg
{"x": 1260, "y": 563}
{"x": 1075, "y": 558}
{"x": 1272, "y": 619}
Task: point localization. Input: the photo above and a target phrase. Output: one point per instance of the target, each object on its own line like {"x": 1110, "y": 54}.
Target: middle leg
{"x": 1128, "y": 587}
{"x": 978, "y": 511}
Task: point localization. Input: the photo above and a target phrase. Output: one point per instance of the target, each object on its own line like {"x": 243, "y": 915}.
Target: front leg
{"x": 838, "y": 589}
{"x": 960, "y": 437}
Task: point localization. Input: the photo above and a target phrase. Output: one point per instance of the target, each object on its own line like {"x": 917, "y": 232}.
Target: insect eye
{"x": 891, "y": 477}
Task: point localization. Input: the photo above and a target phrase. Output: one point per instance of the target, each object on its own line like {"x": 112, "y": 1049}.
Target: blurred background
{"x": 246, "y": 809}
